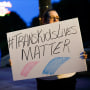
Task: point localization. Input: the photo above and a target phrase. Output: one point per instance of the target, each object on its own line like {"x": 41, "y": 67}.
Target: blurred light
{"x": 55, "y": 1}
{"x": 5, "y": 4}
{"x": 3, "y": 9}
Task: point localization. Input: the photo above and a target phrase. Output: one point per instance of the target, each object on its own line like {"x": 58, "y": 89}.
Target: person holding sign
{"x": 64, "y": 81}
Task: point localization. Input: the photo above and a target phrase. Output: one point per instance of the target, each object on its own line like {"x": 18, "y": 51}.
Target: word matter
{"x": 39, "y": 51}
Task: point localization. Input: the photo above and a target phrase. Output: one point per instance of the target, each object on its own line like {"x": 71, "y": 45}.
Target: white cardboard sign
{"x": 46, "y": 50}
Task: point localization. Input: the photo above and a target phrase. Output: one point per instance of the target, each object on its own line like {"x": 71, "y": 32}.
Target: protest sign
{"x": 46, "y": 50}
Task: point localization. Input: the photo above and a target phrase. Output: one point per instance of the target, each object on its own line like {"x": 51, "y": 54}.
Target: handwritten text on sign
{"x": 45, "y": 50}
